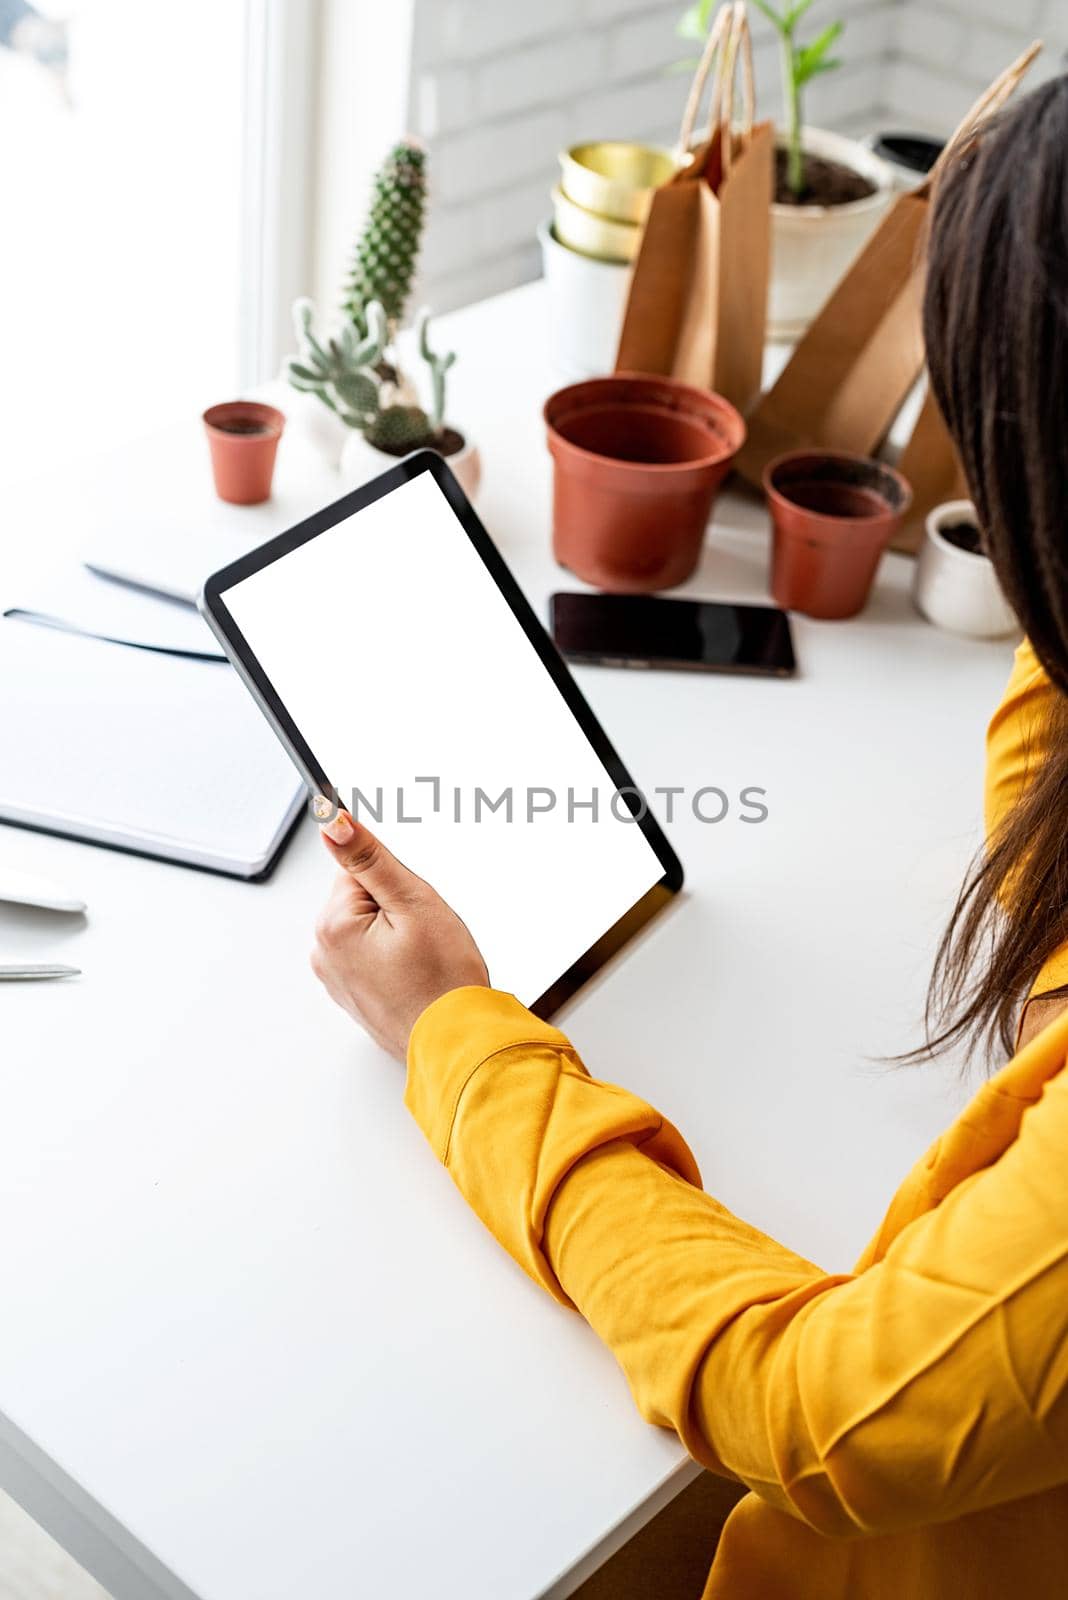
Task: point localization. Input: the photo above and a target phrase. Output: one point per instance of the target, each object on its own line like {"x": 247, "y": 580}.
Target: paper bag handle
{"x": 991, "y": 100}
{"x": 738, "y": 42}
{"x": 724, "y": 17}
{"x": 728, "y": 36}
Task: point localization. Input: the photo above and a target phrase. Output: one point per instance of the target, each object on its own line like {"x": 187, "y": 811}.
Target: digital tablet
{"x": 395, "y": 657}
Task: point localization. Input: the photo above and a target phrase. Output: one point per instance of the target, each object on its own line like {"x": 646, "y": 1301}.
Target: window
{"x": 133, "y": 193}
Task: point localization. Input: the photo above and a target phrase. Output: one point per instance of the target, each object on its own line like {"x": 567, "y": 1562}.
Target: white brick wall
{"x": 498, "y": 86}
{"x": 943, "y": 53}
{"x": 947, "y": 51}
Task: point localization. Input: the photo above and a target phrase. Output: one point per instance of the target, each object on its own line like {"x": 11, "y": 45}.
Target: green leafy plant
{"x": 345, "y": 373}
{"x": 384, "y": 261}
{"x": 800, "y": 63}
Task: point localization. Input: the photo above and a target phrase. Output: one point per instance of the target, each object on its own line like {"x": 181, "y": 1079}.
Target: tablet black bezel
{"x": 214, "y": 609}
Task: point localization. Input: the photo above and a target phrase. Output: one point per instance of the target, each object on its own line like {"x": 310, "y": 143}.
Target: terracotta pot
{"x": 243, "y": 436}
{"x": 833, "y": 515}
{"x": 638, "y": 461}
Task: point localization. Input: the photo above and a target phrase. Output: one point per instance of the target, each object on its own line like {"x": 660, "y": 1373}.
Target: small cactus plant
{"x": 344, "y": 372}
{"x": 398, "y": 429}
{"x": 337, "y": 371}
{"x": 384, "y": 262}
{"x": 437, "y": 366}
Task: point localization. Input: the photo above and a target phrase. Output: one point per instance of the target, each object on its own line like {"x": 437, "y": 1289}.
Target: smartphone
{"x": 623, "y": 630}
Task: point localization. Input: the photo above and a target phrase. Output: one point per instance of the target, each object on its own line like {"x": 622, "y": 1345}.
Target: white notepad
{"x": 150, "y": 753}
{"x": 81, "y": 599}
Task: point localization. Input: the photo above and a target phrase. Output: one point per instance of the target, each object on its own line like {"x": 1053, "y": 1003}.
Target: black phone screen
{"x": 622, "y": 630}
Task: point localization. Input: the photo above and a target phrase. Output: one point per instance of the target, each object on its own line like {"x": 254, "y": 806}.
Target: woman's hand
{"x": 386, "y": 945}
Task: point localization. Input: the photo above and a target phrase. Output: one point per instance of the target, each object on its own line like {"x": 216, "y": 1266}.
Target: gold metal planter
{"x": 614, "y": 178}
{"x": 591, "y": 234}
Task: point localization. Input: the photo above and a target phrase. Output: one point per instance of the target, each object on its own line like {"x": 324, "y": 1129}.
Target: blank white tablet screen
{"x": 399, "y": 660}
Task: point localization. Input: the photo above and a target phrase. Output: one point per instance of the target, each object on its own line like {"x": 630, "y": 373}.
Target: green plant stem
{"x": 795, "y": 156}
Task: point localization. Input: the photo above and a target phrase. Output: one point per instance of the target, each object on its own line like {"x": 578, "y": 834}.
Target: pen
{"x": 44, "y": 620}
{"x": 35, "y": 971}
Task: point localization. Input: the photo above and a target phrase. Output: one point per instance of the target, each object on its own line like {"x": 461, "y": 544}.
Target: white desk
{"x": 252, "y": 1344}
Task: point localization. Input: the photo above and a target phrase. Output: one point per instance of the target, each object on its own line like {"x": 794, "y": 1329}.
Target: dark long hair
{"x": 996, "y": 329}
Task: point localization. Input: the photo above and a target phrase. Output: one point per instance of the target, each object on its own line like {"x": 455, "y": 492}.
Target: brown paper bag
{"x": 698, "y": 297}
{"x": 854, "y": 367}
{"x": 851, "y": 371}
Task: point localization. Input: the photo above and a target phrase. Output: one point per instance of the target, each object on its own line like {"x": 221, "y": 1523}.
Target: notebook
{"x": 159, "y": 754}
{"x": 79, "y": 598}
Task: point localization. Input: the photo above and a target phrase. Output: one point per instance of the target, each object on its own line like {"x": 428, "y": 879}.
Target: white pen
{"x": 35, "y": 971}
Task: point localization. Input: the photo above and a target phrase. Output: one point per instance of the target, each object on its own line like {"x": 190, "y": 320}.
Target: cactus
{"x": 400, "y": 428}
{"x": 384, "y": 262}
{"x": 344, "y": 372}
{"x": 341, "y": 371}
{"x": 437, "y": 366}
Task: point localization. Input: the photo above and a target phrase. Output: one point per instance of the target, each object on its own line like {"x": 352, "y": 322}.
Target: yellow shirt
{"x": 903, "y": 1428}
{"x": 1015, "y": 744}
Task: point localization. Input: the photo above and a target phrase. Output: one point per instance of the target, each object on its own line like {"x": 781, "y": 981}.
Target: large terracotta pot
{"x": 637, "y": 462}
{"x": 833, "y": 514}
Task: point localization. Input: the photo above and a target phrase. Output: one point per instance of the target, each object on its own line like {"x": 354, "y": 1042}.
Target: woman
{"x": 903, "y": 1429}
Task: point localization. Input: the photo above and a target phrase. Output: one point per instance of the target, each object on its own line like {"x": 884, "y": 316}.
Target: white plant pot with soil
{"x": 955, "y": 585}
{"x": 812, "y": 245}
{"x": 361, "y": 460}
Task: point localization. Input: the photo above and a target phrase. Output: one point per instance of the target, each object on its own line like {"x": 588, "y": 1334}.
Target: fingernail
{"x": 323, "y": 808}
{"x": 339, "y": 829}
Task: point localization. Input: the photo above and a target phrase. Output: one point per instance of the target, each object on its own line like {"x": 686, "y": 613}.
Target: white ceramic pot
{"x": 811, "y": 246}
{"x": 587, "y": 299}
{"x": 361, "y": 461}
{"x": 956, "y": 589}
{"x": 308, "y": 419}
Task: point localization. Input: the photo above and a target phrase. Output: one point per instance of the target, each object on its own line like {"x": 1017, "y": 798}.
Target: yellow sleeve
{"x": 1015, "y": 740}
{"x": 462, "y": 1050}
{"x": 931, "y": 1385}
{"x": 1016, "y": 745}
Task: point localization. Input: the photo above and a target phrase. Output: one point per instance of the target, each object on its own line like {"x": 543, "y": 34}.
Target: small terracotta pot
{"x": 833, "y": 514}
{"x": 243, "y": 436}
{"x": 638, "y": 461}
